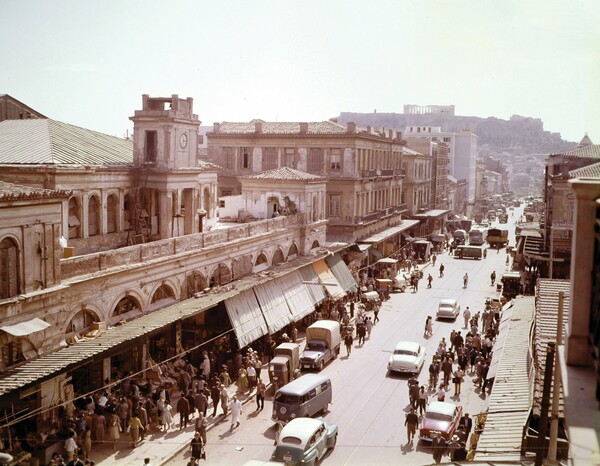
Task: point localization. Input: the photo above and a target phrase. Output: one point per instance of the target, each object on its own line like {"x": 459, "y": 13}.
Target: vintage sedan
{"x": 448, "y": 309}
{"x": 442, "y": 417}
{"x": 304, "y": 441}
{"x": 408, "y": 357}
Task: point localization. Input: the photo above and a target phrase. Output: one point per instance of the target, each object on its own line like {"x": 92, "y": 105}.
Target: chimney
{"x": 399, "y": 136}
{"x": 351, "y": 128}
{"x": 258, "y": 126}
{"x": 369, "y": 130}
{"x": 303, "y": 128}
{"x": 391, "y": 133}
{"x": 216, "y": 127}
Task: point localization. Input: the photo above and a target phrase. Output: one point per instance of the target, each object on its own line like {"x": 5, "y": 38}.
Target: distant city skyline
{"x": 88, "y": 63}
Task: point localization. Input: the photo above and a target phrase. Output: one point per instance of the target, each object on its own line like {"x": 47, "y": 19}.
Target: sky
{"x": 88, "y": 63}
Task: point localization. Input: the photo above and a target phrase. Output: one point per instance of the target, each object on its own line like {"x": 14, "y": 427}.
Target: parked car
{"x": 400, "y": 282}
{"x": 408, "y": 357}
{"x": 448, "y": 309}
{"x": 442, "y": 417}
{"x": 305, "y": 441}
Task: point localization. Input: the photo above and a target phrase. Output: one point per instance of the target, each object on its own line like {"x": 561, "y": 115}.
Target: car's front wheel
{"x": 321, "y": 365}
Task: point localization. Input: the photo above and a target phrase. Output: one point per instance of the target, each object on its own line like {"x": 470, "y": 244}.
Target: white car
{"x": 408, "y": 357}
{"x": 305, "y": 441}
{"x": 448, "y": 309}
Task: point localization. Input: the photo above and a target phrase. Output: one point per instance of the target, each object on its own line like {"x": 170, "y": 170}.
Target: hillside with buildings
{"x": 518, "y": 135}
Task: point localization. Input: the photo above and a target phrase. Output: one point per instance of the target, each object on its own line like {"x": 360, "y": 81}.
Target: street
{"x": 369, "y": 405}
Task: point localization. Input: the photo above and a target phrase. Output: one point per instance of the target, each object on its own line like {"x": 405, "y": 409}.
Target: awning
{"x": 328, "y": 280}
{"x": 271, "y": 298}
{"x": 310, "y": 279}
{"x": 389, "y": 232}
{"x": 341, "y": 272}
{"x": 376, "y": 253}
{"x": 364, "y": 247}
{"x": 26, "y": 328}
{"x": 498, "y": 348}
{"x": 387, "y": 260}
{"x": 246, "y": 317}
{"x": 299, "y": 295}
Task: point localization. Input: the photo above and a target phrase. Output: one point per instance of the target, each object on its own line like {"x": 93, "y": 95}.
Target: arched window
{"x": 315, "y": 244}
{"x": 278, "y": 257}
{"x": 81, "y": 322}
{"x": 292, "y": 252}
{"x": 9, "y": 268}
{"x": 93, "y": 216}
{"x": 221, "y": 276}
{"x": 261, "y": 259}
{"x": 163, "y": 293}
{"x": 127, "y": 308}
{"x": 195, "y": 283}
{"x": 111, "y": 213}
{"x": 74, "y": 218}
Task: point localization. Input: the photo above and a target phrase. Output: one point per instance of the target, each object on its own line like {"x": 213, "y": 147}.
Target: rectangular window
{"x": 150, "y": 146}
{"x": 447, "y": 139}
{"x": 336, "y": 160}
{"x": 228, "y": 158}
{"x": 244, "y": 157}
{"x": 334, "y": 205}
{"x": 315, "y": 161}
{"x": 269, "y": 160}
{"x": 290, "y": 154}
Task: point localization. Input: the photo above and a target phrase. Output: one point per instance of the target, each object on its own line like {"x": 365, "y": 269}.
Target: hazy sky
{"x": 88, "y": 62}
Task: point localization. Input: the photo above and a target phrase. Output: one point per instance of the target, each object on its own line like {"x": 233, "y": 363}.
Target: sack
{"x": 203, "y": 455}
{"x": 454, "y": 379}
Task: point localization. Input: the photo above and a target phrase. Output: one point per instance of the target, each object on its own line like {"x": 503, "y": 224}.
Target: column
{"x": 584, "y": 217}
{"x": 165, "y": 221}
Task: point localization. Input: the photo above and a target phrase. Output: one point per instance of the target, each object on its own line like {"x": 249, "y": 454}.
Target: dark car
{"x": 442, "y": 417}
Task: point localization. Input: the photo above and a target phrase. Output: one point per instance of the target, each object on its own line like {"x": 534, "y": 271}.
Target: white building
{"x": 462, "y": 151}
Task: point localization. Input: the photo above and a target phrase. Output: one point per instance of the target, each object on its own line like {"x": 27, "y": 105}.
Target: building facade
{"x": 462, "y": 151}
{"x": 363, "y": 168}
{"x": 439, "y": 168}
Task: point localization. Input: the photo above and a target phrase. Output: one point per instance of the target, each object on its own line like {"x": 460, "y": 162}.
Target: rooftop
{"x": 283, "y": 173}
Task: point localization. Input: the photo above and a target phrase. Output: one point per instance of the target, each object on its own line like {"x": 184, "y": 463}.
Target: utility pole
{"x": 553, "y": 445}
{"x": 543, "y": 427}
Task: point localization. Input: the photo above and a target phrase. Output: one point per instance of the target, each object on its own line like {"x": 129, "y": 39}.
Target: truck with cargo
{"x": 497, "y": 237}
{"x": 285, "y": 365}
{"x": 323, "y": 340}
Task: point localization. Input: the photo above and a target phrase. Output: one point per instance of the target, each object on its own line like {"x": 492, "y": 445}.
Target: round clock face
{"x": 183, "y": 140}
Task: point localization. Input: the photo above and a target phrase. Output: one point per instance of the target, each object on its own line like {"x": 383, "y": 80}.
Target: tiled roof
{"x": 589, "y": 171}
{"x": 586, "y": 152}
{"x": 546, "y": 317}
{"x": 53, "y": 142}
{"x": 315, "y": 127}
{"x": 207, "y": 166}
{"x": 16, "y": 192}
{"x": 283, "y": 173}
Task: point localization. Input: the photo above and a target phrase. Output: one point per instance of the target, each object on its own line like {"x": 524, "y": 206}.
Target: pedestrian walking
{"x": 376, "y": 314}
{"x": 100, "y": 427}
{"x": 413, "y": 392}
{"x": 183, "y": 408}
{"x": 242, "y": 381}
{"x": 428, "y": 326}
{"x": 433, "y": 259}
{"x": 422, "y": 400}
{"x": 457, "y": 380}
{"x": 361, "y": 332}
{"x": 135, "y": 427}
{"x": 438, "y": 446}
{"x": 261, "y": 388}
{"x": 493, "y": 278}
{"x": 70, "y": 446}
{"x": 467, "y": 316}
{"x": 236, "y": 411}
{"x": 114, "y": 429}
{"x": 224, "y": 398}
{"x": 168, "y": 416}
{"x": 441, "y": 270}
{"x": 446, "y": 368}
{"x": 197, "y": 446}
{"x": 429, "y": 280}
{"x": 201, "y": 427}
{"x": 348, "y": 342}
{"x": 411, "y": 422}
{"x": 369, "y": 325}
{"x": 434, "y": 371}
{"x": 441, "y": 393}
{"x": 507, "y": 259}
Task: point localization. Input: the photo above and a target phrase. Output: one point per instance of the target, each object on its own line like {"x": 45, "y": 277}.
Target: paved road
{"x": 369, "y": 405}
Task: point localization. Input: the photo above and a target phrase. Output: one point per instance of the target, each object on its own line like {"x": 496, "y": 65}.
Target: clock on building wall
{"x": 183, "y": 140}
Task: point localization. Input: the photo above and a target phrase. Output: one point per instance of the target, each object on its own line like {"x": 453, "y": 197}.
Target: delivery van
{"x": 304, "y": 397}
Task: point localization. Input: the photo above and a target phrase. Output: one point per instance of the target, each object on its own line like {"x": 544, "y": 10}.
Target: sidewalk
{"x": 161, "y": 446}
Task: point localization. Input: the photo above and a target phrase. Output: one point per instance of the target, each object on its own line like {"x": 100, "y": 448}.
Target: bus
{"x": 476, "y": 237}
{"x": 497, "y": 237}
{"x": 468, "y": 252}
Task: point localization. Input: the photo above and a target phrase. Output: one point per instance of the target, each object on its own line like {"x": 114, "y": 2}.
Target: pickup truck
{"x": 323, "y": 340}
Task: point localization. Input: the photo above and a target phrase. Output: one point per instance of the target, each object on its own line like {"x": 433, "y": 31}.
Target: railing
{"x": 89, "y": 263}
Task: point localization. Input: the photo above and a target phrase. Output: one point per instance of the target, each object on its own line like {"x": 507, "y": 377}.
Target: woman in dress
{"x": 429, "y": 326}
{"x": 242, "y": 382}
{"x": 100, "y": 427}
{"x": 114, "y": 429}
{"x": 168, "y": 416}
{"x": 160, "y": 409}
{"x": 135, "y": 425}
{"x": 86, "y": 443}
